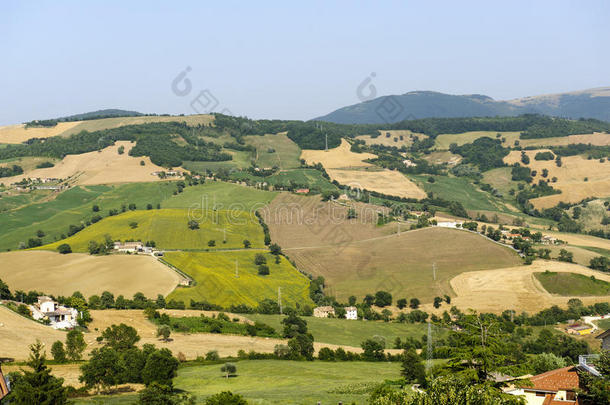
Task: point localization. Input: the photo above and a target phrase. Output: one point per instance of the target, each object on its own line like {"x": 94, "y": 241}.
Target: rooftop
{"x": 561, "y": 379}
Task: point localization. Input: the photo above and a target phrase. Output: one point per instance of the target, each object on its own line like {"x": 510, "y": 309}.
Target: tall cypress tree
{"x": 37, "y": 386}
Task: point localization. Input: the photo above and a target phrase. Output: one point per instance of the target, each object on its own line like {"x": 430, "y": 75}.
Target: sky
{"x": 288, "y": 59}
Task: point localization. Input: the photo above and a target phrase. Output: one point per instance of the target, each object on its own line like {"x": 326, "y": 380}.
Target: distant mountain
{"x": 593, "y": 103}
{"x": 107, "y": 113}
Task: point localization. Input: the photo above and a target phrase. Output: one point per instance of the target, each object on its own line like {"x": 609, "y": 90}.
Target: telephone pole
{"x": 279, "y": 299}
{"x": 236, "y": 269}
{"x": 434, "y": 271}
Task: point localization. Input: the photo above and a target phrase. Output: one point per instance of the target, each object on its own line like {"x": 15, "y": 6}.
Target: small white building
{"x": 449, "y": 224}
{"x": 323, "y": 312}
{"x": 351, "y": 313}
{"x": 60, "y": 317}
{"x": 131, "y": 247}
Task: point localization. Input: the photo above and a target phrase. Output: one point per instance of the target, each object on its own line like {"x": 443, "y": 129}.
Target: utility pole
{"x": 279, "y": 299}
{"x": 236, "y": 269}
{"x": 434, "y": 271}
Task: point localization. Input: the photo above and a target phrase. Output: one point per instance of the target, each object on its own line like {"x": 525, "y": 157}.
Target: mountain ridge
{"x": 589, "y": 103}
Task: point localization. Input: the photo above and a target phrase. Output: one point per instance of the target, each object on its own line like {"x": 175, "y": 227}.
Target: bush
{"x": 58, "y": 352}
{"x": 263, "y": 270}
{"x": 64, "y": 249}
{"x": 226, "y": 398}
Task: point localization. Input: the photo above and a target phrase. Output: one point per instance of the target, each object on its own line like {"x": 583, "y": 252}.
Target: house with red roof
{"x": 551, "y": 388}
{"x": 4, "y": 387}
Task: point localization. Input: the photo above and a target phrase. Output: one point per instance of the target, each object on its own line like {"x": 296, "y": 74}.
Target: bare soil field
{"x": 440, "y": 157}
{"x": 394, "y": 139}
{"x": 570, "y": 177}
{"x": 103, "y": 167}
{"x": 18, "y": 133}
{"x": 515, "y": 287}
{"x": 339, "y": 157}
{"x": 384, "y": 181}
{"x": 299, "y": 221}
{"x": 411, "y": 264}
{"x": 58, "y": 274}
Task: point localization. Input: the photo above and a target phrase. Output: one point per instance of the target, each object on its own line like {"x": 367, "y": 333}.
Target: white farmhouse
{"x": 449, "y": 224}
{"x": 351, "y": 313}
{"x": 60, "y": 317}
{"x": 324, "y": 312}
{"x": 130, "y": 247}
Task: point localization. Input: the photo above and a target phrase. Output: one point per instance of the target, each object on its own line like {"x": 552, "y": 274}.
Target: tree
{"x": 75, "y": 345}
{"x": 263, "y": 270}
{"x": 259, "y": 259}
{"x": 413, "y": 368}
{"x": 247, "y": 244}
{"x": 226, "y": 398}
{"x": 64, "y": 249}
{"x": 544, "y": 362}
{"x": 437, "y": 302}
{"x": 301, "y": 346}
{"x": 159, "y": 394}
{"x": 40, "y": 233}
{"x": 37, "y": 386}
{"x": 351, "y": 300}
{"x": 58, "y": 352}
{"x": 193, "y": 225}
{"x": 368, "y": 300}
{"x": 414, "y": 303}
{"x": 293, "y": 325}
{"x": 372, "y": 350}
{"x": 120, "y": 337}
{"x": 107, "y": 300}
{"x": 228, "y": 369}
{"x": 5, "y": 292}
{"x": 383, "y": 298}
{"x": 211, "y": 243}
{"x": 401, "y": 303}
{"x": 103, "y": 370}
{"x": 164, "y": 331}
{"x": 565, "y": 256}
{"x": 160, "y": 367}
{"x": 275, "y": 249}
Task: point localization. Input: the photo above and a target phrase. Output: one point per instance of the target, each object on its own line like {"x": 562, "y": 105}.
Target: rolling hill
{"x": 592, "y": 103}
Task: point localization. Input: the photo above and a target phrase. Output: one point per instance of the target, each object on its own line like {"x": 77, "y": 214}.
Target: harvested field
{"x": 69, "y": 372}
{"x": 58, "y": 274}
{"x": 339, "y": 157}
{"x": 18, "y": 133}
{"x": 570, "y": 177}
{"x": 18, "y": 332}
{"x": 516, "y": 288}
{"x": 384, "y": 181}
{"x": 596, "y": 138}
{"x": 103, "y": 167}
{"x": 443, "y": 141}
{"x": 394, "y": 138}
{"x": 440, "y": 157}
{"x": 401, "y": 264}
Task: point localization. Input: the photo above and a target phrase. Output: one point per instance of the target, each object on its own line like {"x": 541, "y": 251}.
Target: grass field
{"x": 104, "y": 167}
{"x": 570, "y": 177}
{"x": 216, "y": 281}
{"x": 517, "y": 288}
{"x": 289, "y": 382}
{"x": 220, "y": 195}
{"x": 443, "y": 141}
{"x": 597, "y": 138}
{"x": 53, "y": 273}
{"x": 27, "y": 163}
{"x": 168, "y": 228}
{"x": 286, "y": 154}
{"x": 393, "y": 139}
{"x": 310, "y": 178}
{"x": 241, "y": 160}
{"x": 458, "y": 189}
{"x": 347, "y": 332}
{"x": 571, "y": 284}
{"x": 16, "y": 200}
{"x": 401, "y": 264}
{"x": 279, "y": 382}
{"x": 604, "y": 324}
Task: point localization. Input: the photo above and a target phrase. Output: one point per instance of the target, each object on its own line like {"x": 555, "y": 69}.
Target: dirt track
{"x": 515, "y": 288}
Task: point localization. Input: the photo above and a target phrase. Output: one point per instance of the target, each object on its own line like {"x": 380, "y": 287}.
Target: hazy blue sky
{"x": 287, "y": 60}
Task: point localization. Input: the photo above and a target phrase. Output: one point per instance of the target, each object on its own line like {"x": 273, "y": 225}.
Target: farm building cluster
{"x": 329, "y": 312}
{"x": 59, "y": 316}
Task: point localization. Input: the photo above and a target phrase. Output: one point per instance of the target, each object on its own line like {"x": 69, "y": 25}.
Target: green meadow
{"x": 169, "y": 229}
{"x": 572, "y": 284}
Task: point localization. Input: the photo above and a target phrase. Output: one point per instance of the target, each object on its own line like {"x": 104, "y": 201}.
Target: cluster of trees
{"x": 547, "y": 127}
{"x": 13, "y": 170}
{"x": 485, "y": 153}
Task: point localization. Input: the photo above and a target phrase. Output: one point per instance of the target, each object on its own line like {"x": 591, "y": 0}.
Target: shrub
{"x": 64, "y": 249}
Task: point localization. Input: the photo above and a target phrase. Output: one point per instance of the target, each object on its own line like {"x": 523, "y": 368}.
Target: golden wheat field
{"x": 53, "y": 273}
{"x": 577, "y": 178}
{"x": 18, "y": 133}
{"x": 103, "y": 167}
{"x": 596, "y": 138}
{"x": 384, "y": 181}
{"x": 515, "y": 288}
{"x": 339, "y": 157}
